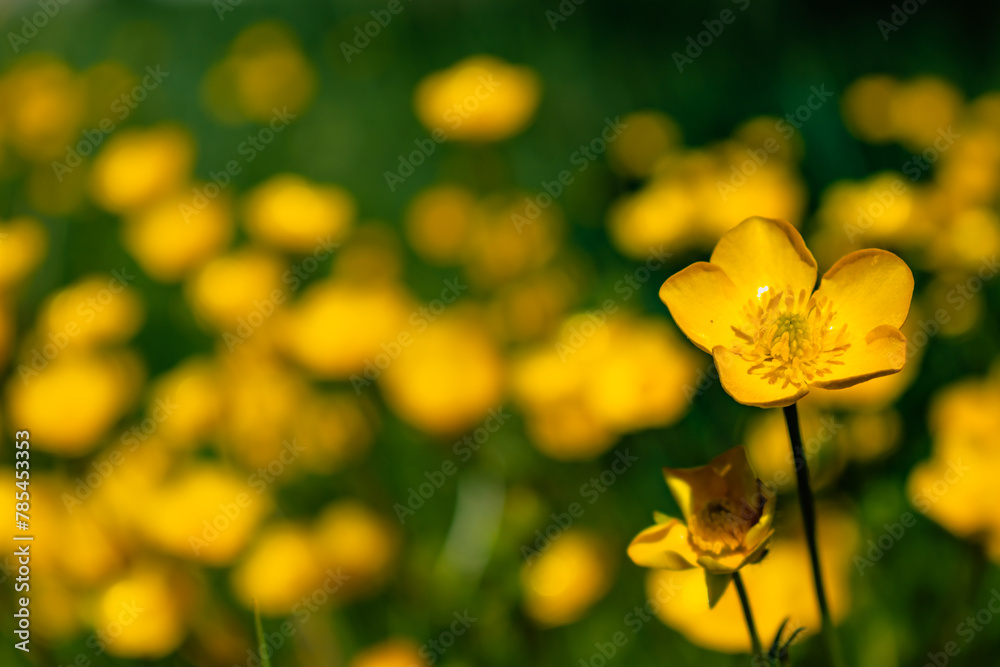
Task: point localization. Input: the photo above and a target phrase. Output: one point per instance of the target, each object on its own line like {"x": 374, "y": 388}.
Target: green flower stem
{"x": 265, "y": 655}
{"x": 748, "y": 614}
{"x": 808, "y": 505}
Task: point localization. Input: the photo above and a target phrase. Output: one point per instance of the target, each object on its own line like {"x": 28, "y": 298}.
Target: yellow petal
{"x": 663, "y": 546}
{"x": 881, "y": 352}
{"x": 868, "y": 288}
{"x": 760, "y": 252}
{"x": 748, "y": 389}
{"x": 733, "y": 465}
{"x": 693, "y": 486}
{"x": 757, "y": 535}
{"x": 722, "y": 564}
{"x": 704, "y": 303}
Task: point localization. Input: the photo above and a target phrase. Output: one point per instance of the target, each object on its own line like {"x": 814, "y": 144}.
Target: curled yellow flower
{"x": 753, "y": 308}
{"x": 726, "y": 522}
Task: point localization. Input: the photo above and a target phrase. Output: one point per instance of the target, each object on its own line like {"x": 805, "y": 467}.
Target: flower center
{"x": 718, "y": 528}
{"x": 790, "y": 338}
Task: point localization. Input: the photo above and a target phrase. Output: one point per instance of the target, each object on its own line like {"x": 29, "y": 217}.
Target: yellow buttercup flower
{"x": 753, "y": 308}
{"x": 24, "y": 244}
{"x": 726, "y": 525}
{"x": 775, "y": 586}
{"x": 481, "y": 98}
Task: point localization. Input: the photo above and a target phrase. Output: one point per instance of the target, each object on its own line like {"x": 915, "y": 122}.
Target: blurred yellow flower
{"x": 922, "y": 109}
{"x": 753, "y": 308}
{"x": 659, "y": 213}
{"x": 293, "y": 214}
{"x": 89, "y": 392}
{"x": 694, "y": 196}
{"x": 439, "y": 222}
{"x": 866, "y": 107}
{"x": 139, "y": 166}
{"x": 648, "y": 135}
{"x": 334, "y": 430}
{"x": 956, "y": 487}
{"x": 95, "y": 310}
{"x": 355, "y": 542}
{"x": 877, "y": 209}
{"x": 535, "y": 305}
{"x": 23, "y": 242}
{"x": 42, "y": 107}
{"x": 171, "y": 238}
{"x": 607, "y": 373}
{"x": 205, "y": 513}
{"x": 397, "y": 652}
{"x": 312, "y": 332}
{"x": 142, "y": 614}
{"x": 261, "y": 403}
{"x": 566, "y": 579}
{"x": 105, "y": 83}
{"x": 187, "y": 403}
{"x": 510, "y": 237}
{"x": 481, "y": 98}
{"x": 775, "y": 585}
{"x": 233, "y": 287}
{"x": 727, "y": 518}
{"x": 448, "y": 377}
{"x": 264, "y": 71}
{"x": 280, "y": 569}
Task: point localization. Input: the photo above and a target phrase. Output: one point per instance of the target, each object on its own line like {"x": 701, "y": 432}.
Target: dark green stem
{"x": 808, "y": 505}
{"x": 748, "y": 614}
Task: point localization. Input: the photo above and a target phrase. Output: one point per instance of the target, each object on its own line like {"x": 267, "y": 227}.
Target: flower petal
{"x": 759, "y": 551}
{"x": 868, "y": 288}
{"x": 722, "y": 564}
{"x": 704, "y": 303}
{"x": 762, "y": 253}
{"x": 663, "y": 546}
{"x": 762, "y": 529}
{"x": 881, "y": 352}
{"x": 748, "y": 389}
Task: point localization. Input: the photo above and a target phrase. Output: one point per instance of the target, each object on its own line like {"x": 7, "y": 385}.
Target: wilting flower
{"x": 726, "y": 525}
{"x": 775, "y": 586}
{"x": 752, "y": 307}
